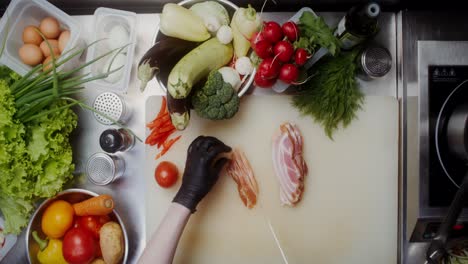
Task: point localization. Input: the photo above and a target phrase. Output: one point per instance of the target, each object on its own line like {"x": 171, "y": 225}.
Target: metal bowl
{"x": 72, "y": 196}
{"x": 231, "y": 8}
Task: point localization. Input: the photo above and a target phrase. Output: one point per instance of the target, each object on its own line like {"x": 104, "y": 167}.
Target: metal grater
{"x": 113, "y": 106}
{"x": 103, "y": 169}
{"x": 375, "y": 62}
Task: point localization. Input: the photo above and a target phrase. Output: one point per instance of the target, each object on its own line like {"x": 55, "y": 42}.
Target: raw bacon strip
{"x": 289, "y": 164}
{"x": 240, "y": 170}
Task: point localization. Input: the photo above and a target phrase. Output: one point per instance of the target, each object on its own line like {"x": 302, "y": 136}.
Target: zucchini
{"x": 196, "y": 65}
{"x": 179, "y": 22}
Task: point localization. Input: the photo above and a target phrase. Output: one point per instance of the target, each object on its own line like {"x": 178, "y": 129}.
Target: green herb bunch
{"x": 332, "y": 96}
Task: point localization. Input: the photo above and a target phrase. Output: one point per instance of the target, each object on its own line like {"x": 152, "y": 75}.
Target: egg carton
{"x": 22, "y": 13}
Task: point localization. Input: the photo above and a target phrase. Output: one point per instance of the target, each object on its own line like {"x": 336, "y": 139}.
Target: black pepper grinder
{"x": 114, "y": 140}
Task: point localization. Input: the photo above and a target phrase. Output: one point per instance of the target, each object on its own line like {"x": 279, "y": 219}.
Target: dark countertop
{"x": 85, "y": 7}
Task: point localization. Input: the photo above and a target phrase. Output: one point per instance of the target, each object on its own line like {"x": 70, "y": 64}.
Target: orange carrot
{"x": 99, "y": 205}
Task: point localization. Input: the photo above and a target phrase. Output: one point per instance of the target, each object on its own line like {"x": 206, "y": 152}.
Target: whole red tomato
{"x": 166, "y": 174}
{"x": 79, "y": 246}
{"x": 92, "y": 223}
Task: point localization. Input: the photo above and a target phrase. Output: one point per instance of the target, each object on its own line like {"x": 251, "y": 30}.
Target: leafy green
{"x": 35, "y": 157}
{"x": 217, "y": 99}
{"x": 332, "y": 96}
{"x": 317, "y": 32}
{"x": 306, "y": 43}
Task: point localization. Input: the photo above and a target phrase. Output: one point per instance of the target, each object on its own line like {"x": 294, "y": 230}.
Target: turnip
{"x": 283, "y": 50}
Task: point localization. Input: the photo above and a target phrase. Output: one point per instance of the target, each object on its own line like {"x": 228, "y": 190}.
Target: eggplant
{"x": 166, "y": 52}
{"x": 179, "y": 109}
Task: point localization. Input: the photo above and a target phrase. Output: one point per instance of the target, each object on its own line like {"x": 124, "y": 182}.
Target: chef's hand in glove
{"x": 201, "y": 170}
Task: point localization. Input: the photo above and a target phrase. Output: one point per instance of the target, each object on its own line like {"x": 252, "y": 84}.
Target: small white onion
{"x": 224, "y": 34}
{"x": 244, "y": 66}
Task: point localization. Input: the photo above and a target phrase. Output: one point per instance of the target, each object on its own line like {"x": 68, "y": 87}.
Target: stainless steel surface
{"x": 72, "y": 196}
{"x": 413, "y": 27}
{"x": 247, "y": 80}
{"x": 129, "y": 191}
{"x": 457, "y": 132}
{"x": 376, "y": 62}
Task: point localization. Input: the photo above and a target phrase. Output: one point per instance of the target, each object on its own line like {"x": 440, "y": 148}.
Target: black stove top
{"x": 445, "y": 169}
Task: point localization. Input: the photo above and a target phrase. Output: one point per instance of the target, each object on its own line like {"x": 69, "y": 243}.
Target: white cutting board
{"x": 348, "y": 213}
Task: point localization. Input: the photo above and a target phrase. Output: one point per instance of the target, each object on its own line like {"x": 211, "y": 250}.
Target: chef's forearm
{"x": 162, "y": 246}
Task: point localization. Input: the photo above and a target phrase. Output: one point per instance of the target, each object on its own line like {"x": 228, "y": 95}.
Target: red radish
{"x": 290, "y": 30}
{"x": 256, "y": 37}
{"x": 264, "y": 49}
{"x": 272, "y": 31}
{"x": 301, "y": 56}
{"x": 269, "y": 68}
{"x": 289, "y": 73}
{"x": 264, "y": 83}
{"x": 284, "y": 50}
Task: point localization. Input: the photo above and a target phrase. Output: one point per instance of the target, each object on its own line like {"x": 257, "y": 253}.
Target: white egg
{"x": 119, "y": 61}
{"x": 118, "y": 37}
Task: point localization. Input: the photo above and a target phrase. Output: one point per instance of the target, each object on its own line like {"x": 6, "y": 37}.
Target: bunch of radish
{"x": 280, "y": 60}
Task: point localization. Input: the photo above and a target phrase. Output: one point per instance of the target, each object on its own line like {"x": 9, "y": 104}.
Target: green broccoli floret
{"x": 217, "y": 99}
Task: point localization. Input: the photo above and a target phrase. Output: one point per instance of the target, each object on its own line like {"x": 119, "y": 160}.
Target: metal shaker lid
{"x": 376, "y": 61}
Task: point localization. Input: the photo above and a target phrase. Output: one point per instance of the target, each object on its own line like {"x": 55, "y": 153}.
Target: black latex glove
{"x": 201, "y": 170}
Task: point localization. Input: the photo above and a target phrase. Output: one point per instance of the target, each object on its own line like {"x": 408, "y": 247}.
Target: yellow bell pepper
{"x": 50, "y": 250}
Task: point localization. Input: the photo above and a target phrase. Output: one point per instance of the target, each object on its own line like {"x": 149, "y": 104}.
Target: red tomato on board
{"x": 166, "y": 174}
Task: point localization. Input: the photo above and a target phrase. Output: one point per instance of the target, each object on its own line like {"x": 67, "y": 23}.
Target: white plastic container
{"x": 22, "y": 13}
{"x": 107, "y": 20}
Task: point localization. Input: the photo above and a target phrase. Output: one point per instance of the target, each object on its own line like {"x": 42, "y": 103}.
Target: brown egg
{"x": 47, "y": 63}
{"x": 30, "y": 54}
{"x": 46, "y": 49}
{"x": 50, "y": 27}
{"x": 31, "y": 36}
{"x": 63, "y": 40}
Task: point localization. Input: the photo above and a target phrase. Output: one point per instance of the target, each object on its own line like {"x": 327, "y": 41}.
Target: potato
{"x": 111, "y": 242}
{"x": 98, "y": 261}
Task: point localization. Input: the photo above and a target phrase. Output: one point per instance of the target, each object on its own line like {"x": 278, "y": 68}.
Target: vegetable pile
{"x": 224, "y": 46}
{"x": 35, "y": 157}
{"x": 80, "y": 233}
{"x": 35, "y": 125}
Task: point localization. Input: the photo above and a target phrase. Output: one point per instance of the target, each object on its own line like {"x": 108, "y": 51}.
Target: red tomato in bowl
{"x": 92, "y": 223}
{"x": 166, "y": 174}
{"x": 79, "y": 246}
